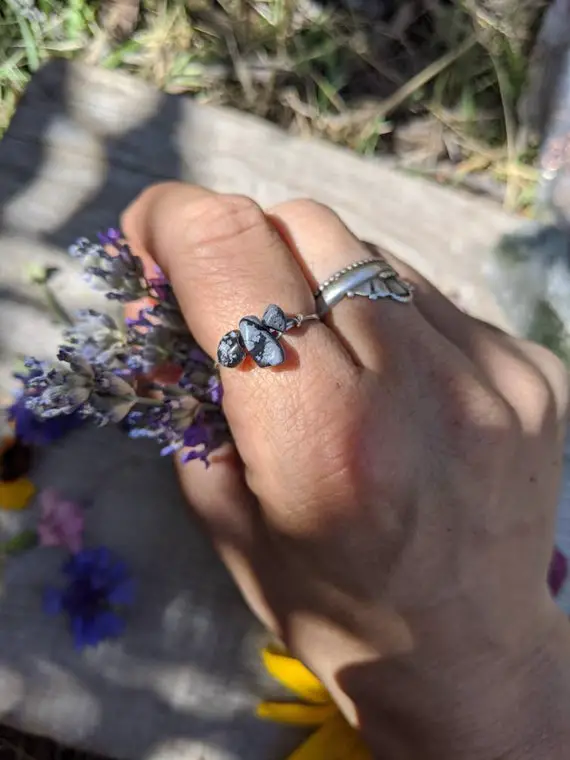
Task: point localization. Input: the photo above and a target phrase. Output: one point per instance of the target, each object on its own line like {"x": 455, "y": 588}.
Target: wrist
{"x": 512, "y": 706}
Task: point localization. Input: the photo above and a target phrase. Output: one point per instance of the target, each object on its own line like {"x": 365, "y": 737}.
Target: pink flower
{"x": 61, "y": 522}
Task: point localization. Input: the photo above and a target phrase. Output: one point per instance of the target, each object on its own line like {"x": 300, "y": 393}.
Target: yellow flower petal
{"x": 16, "y": 494}
{"x": 296, "y": 714}
{"x": 295, "y": 677}
{"x": 336, "y": 740}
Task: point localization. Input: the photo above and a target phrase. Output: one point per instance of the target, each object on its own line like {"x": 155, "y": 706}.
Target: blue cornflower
{"x": 34, "y": 431}
{"x": 98, "y": 584}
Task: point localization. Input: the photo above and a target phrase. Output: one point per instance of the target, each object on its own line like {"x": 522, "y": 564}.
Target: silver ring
{"x": 371, "y": 278}
{"x": 259, "y": 338}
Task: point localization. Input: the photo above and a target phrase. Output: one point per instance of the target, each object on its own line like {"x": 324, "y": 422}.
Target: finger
{"x": 527, "y": 375}
{"x": 385, "y": 332}
{"x": 226, "y": 260}
{"x": 221, "y": 499}
{"x": 230, "y": 513}
{"x": 373, "y": 331}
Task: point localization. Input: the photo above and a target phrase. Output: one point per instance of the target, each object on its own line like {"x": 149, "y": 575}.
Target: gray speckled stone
{"x": 231, "y": 351}
{"x": 274, "y": 317}
{"x": 264, "y": 348}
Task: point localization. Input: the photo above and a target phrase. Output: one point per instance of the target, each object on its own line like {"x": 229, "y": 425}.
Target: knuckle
{"x": 533, "y": 395}
{"x": 218, "y": 220}
{"x": 555, "y": 376}
{"x": 303, "y": 209}
{"x": 478, "y": 422}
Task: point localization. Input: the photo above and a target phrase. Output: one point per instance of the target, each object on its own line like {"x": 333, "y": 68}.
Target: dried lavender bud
{"x": 200, "y": 379}
{"x": 208, "y": 432}
{"x": 101, "y": 360}
{"x": 163, "y": 422}
{"x": 179, "y": 424}
{"x": 152, "y": 343}
{"x": 95, "y": 393}
{"x": 98, "y": 339}
{"x": 120, "y": 273}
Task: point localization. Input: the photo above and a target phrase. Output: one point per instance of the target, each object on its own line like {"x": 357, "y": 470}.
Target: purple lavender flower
{"x": 156, "y": 345}
{"x": 207, "y": 389}
{"x": 33, "y": 431}
{"x": 178, "y": 424}
{"x": 215, "y": 390}
{"x": 98, "y": 339}
{"x": 206, "y": 434}
{"x": 200, "y": 378}
{"x": 120, "y": 273}
{"x": 185, "y": 410}
{"x": 80, "y": 388}
{"x": 161, "y": 288}
{"x": 111, "y": 237}
{"x": 164, "y": 422}
{"x": 98, "y": 584}
{"x": 142, "y": 320}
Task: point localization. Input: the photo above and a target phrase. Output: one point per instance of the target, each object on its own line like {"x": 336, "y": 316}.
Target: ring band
{"x": 372, "y": 278}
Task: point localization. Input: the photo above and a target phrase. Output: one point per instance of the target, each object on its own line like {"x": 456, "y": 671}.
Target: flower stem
{"x": 55, "y": 307}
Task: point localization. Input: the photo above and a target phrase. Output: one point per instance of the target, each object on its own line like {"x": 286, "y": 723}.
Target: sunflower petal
{"x": 296, "y": 714}
{"x": 16, "y": 494}
{"x": 336, "y": 740}
{"x": 295, "y": 677}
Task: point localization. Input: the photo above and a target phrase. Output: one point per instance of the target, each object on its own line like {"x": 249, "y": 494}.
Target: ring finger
{"x": 372, "y": 332}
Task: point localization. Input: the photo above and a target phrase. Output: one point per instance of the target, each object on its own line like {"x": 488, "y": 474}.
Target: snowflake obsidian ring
{"x": 260, "y": 338}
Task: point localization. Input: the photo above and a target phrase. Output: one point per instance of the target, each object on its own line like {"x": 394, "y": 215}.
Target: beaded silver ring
{"x": 372, "y": 278}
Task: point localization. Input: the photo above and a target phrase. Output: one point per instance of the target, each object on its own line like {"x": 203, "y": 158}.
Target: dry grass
{"x": 435, "y": 84}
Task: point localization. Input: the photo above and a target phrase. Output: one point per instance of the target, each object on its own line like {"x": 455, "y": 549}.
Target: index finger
{"x": 226, "y": 260}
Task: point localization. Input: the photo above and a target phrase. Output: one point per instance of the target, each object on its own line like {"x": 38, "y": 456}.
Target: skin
{"x": 388, "y": 509}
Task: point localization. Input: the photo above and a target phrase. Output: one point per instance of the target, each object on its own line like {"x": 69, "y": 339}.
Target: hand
{"x": 388, "y": 509}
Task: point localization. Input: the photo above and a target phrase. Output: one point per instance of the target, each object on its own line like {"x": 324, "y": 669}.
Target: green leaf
{"x": 27, "y": 539}
{"x": 30, "y": 44}
{"x": 116, "y": 57}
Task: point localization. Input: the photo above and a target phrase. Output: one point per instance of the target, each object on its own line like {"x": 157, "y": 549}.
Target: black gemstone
{"x": 275, "y": 318}
{"x": 264, "y": 348}
{"x": 231, "y": 351}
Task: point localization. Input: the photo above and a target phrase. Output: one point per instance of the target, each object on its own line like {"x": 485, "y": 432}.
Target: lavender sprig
{"x": 181, "y": 423}
{"x": 119, "y": 272}
{"x": 75, "y": 386}
{"x": 98, "y": 339}
{"x": 103, "y": 365}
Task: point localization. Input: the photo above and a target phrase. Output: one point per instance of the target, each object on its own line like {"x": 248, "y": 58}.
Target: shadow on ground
{"x": 185, "y": 677}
